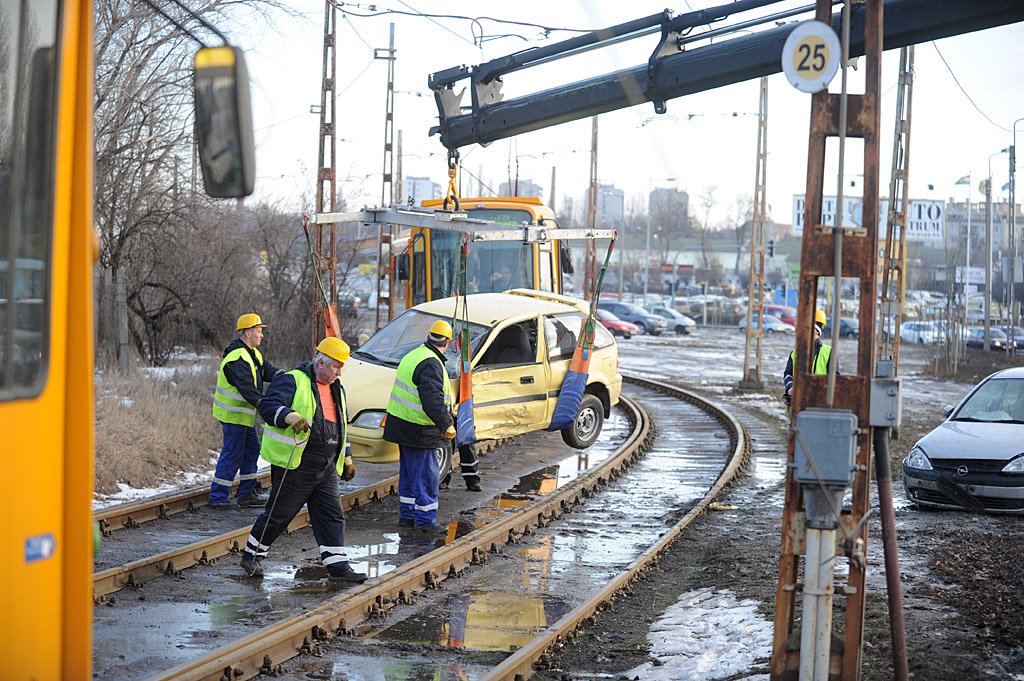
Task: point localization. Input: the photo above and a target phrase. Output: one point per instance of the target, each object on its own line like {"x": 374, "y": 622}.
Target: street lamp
{"x": 647, "y": 249}
{"x": 988, "y": 247}
{"x": 1013, "y": 232}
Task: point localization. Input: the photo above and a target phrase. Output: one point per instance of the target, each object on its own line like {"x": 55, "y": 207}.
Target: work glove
{"x": 297, "y": 422}
{"x": 450, "y": 433}
{"x": 787, "y": 398}
{"x": 349, "y": 471}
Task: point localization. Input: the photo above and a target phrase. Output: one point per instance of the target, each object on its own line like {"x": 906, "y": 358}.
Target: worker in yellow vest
{"x": 822, "y": 353}
{"x": 420, "y": 422}
{"x": 306, "y": 443}
{"x": 240, "y": 380}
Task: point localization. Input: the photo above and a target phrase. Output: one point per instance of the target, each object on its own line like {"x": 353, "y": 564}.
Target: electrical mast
{"x": 894, "y": 259}
{"x": 755, "y": 288}
{"x": 325, "y": 244}
{"x": 590, "y": 264}
{"x": 385, "y": 235}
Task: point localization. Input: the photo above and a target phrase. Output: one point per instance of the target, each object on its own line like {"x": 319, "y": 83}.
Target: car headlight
{"x": 1015, "y": 466}
{"x": 918, "y": 459}
{"x": 369, "y": 419}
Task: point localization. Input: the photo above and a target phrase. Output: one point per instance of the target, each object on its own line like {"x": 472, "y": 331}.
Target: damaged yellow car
{"x": 521, "y": 342}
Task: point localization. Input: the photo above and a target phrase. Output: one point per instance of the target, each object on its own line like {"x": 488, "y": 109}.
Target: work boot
{"x": 434, "y": 529}
{"x": 227, "y": 504}
{"x": 343, "y": 572}
{"x": 406, "y": 523}
{"x": 473, "y": 486}
{"x": 252, "y": 565}
{"x": 253, "y": 500}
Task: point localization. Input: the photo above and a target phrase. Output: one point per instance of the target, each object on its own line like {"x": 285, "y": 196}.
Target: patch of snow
{"x": 182, "y": 480}
{"x": 705, "y": 636}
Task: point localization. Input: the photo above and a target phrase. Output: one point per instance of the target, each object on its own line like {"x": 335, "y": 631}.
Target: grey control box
{"x": 886, "y": 402}
{"x": 831, "y": 437}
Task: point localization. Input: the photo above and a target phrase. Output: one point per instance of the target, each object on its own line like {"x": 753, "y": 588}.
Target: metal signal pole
{"x": 326, "y": 244}
{"x": 590, "y": 266}
{"x": 385, "y": 235}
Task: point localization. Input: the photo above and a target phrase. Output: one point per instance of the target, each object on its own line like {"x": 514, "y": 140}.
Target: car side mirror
{"x": 947, "y": 410}
{"x": 565, "y": 258}
{"x": 224, "y": 132}
{"x": 362, "y": 339}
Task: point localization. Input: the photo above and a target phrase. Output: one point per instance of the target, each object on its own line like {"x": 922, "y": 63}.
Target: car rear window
{"x": 562, "y": 332}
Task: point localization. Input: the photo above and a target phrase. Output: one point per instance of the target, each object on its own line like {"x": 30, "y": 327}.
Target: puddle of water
{"x": 479, "y": 620}
{"x": 376, "y": 668}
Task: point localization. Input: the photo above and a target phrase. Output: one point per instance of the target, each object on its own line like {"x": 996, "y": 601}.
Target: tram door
{"x": 545, "y": 270}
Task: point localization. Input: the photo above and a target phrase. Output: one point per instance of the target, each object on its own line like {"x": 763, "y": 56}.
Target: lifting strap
{"x": 575, "y": 383}
{"x": 465, "y": 428}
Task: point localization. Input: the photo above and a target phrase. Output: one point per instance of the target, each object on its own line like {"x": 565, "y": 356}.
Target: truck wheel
{"x": 587, "y": 426}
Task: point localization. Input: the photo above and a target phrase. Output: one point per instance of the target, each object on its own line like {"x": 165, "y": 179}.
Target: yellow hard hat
{"x": 441, "y": 328}
{"x": 248, "y": 321}
{"x": 819, "y": 317}
{"x": 335, "y": 348}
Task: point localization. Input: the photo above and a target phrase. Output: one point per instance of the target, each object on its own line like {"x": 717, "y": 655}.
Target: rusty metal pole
{"x": 894, "y": 587}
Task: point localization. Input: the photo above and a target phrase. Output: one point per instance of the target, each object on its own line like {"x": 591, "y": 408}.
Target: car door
{"x": 560, "y": 334}
{"x": 510, "y": 389}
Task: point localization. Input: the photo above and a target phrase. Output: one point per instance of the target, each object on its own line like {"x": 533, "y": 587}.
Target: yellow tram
{"x": 47, "y": 251}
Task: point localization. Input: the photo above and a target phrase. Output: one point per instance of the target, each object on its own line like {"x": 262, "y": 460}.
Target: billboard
{"x": 925, "y": 219}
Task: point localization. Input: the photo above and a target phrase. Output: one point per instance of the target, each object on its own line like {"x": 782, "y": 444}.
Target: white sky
{"x": 637, "y": 149}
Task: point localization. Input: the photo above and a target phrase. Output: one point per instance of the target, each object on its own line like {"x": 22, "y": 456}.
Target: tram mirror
{"x": 224, "y": 122}
{"x": 402, "y": 266}
{"x": 565, "y": 258}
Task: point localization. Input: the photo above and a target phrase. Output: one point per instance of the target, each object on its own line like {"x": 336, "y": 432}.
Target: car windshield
{"x": 633, "y": 309}
{"x": 389, "y": 345}
{"x": 606, "y": 316}
{"x": 999, "y": 400}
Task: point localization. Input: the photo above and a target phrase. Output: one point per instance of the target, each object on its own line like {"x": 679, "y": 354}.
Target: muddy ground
{"x": 963, "y": 587}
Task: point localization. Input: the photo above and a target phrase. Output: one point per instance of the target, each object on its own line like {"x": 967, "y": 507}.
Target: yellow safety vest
{"x": 405, "y": 395}
{"x": 820, "y": 362}
{"x": 228, "y": 404}
{"x": 282, "y": 446}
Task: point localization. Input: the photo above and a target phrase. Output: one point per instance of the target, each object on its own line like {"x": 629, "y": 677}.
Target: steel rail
{"x": 134, "y": 513}
{"x": 521, "y": 664}
{"x": 268, "y": 648}
{"x": 207, "y": 551}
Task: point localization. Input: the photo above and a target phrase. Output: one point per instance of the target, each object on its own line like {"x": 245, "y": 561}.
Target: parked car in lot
{"x": 677, "y": 321}
{"x": 772, "y": 324}
{"x": 974, "y": 459}
{"x": 629, "y": 312}
{"x": 918, "y": 332}
{"x": 849, "y": 327}
{"x": 616, "y": 325}
{"x": 784, "y": 313}
{"x": 997, "y": 339}
{"x": 521, "y": 343}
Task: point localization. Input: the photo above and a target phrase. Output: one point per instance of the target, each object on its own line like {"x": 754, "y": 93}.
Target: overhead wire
{"x": 957, "y": 81}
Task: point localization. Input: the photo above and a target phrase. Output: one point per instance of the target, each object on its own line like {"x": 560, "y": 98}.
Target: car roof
{"x": 1012, "y": 372}
{"x": 489, "y": 308}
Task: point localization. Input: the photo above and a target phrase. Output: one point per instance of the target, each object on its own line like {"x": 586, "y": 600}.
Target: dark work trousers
{"x": 240, "y": 451}
{"x": 468, "y": 466}
{"x": 315, "y": 483}
{"x": 417, "y": 485}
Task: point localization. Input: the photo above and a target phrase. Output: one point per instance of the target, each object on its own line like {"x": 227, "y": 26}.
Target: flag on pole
{"x": 966, "y": 179}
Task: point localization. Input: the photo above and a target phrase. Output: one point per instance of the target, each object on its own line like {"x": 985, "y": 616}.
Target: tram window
{"x": 501, "y": 265}
{"x": 27, "y": 123}
{"x": 544, "y": 260}
{"x": 444, "y": 263}
{"x": 419, "y": 270}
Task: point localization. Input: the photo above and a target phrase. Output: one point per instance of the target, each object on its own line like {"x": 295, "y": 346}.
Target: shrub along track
{"x": 268, "y": 648}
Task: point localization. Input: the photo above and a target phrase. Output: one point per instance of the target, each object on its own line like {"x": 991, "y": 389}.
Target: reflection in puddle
{"x": 391, "y": 669}
{"x": 480, "y": 620}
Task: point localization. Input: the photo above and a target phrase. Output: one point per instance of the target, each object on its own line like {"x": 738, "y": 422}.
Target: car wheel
{"x": 588, "y": 423}
{"x": 641, "y": 329}
{"x": 444, "y": 461}
{"x": 627, "y": 336}
{"x": 769, "y": 331}
{"x": 680, "y": 330}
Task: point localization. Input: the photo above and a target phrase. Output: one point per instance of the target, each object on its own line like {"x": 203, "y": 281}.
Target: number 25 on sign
{"x": 810, "y": 57}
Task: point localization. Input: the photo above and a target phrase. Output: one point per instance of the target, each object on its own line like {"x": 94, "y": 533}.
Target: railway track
{"x": 360, "y": 612}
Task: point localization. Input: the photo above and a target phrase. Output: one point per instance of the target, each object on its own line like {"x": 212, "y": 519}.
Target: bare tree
{"x": 707, "y": 202}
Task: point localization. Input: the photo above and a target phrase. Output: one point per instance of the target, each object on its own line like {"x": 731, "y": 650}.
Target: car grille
{"x": 974, "y": 467}
{"x": 992, "y": 504}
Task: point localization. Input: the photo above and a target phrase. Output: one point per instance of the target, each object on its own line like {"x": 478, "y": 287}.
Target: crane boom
{"x": 672, "y": 73}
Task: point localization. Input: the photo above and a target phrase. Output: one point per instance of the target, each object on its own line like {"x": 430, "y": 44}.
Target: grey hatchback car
{"x": 647, "y": 323}
{"x": 974, "y": 459}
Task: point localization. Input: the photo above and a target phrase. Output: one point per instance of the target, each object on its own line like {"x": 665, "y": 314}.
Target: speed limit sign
{"x": 810, "y": 57}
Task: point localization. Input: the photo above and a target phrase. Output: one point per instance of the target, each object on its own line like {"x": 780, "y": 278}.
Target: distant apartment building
{"x": 419, "y": 189}
{"x": 610, "y": 204}
{"x": 520, "y": 188}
